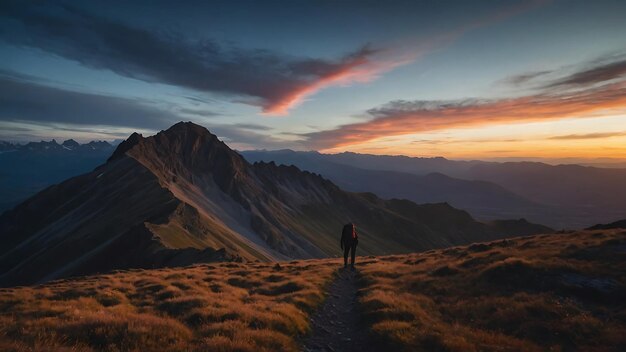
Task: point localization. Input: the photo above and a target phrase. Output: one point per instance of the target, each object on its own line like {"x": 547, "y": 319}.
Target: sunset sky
{"x": 459, "y": 79}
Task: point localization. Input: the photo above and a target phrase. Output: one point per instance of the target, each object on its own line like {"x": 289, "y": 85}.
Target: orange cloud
{"x": 408, "y": 117}
{"x": 367, "y": 64}
{"x": 358, "y": 69}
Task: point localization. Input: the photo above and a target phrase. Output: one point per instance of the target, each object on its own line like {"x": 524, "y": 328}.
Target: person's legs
{"x": 346, "y": 250}
{"x": 353, "y": 253}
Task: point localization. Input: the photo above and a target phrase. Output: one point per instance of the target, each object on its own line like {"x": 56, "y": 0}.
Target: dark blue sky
{"x": 413, "y": 77}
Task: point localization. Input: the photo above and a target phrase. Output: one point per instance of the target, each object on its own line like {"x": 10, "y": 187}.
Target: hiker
{"x": 349, "y": 240}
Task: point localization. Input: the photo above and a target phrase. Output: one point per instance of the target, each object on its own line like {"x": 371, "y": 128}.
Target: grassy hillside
{"x": 226, "y": 307}
{"x": 559, "y": 292}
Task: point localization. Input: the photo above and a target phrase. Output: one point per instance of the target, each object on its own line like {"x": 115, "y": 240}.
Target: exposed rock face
{"x": 183, "y": 196}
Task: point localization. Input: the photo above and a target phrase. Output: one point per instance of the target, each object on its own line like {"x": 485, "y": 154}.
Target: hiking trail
{"x": 337, "y": 325}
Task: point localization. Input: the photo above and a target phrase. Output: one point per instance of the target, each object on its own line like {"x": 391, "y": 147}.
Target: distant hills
{"x": 484, "y": 199}
{"x": 562, "y": 196}
{"x": 183, "y": 196}
{"x": 620, "y": 224}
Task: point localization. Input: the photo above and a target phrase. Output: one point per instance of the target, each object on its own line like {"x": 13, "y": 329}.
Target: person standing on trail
{"x": 349, "y": 240}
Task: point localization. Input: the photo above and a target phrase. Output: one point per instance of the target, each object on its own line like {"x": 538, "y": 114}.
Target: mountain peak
{"x": 185, "y": 150}
{"x": 179, "y": 132}
{"x": 190, "y": 134}
{"x": 126, "y": 145}
{"x": 70, "y": 143}
{"x": 188, "y": 126}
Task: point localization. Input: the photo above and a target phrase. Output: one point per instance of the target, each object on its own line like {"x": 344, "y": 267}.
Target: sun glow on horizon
{"x": 598, "y": 137}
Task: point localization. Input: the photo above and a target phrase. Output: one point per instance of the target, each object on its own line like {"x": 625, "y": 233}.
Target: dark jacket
{"x": 349, "y": 236}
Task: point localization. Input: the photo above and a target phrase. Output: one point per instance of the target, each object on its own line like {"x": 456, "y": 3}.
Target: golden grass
{"x": 220, "y": 307}
{"x": 549, "y": 292}
{"x": 558, "y": 292}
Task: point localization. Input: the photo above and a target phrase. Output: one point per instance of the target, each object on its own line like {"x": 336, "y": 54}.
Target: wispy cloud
{"x": 25, "y": 131}
{"x": 252, "y": 126}
{"x": 593, "y": 75}
{"x": 29, "y": 101}
{"x": 242, "y": 138}
{"x": 602, "y": 69}
{"x": 524, "y": 78}
{"x": 29, "y": 110}
{"x": 589, "y": 135}
{"x": 406, "y": 117}
{"x": 360, "y": 66}
{"x": 199, "y": 112}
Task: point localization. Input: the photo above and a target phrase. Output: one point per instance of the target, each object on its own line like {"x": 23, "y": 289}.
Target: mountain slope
{"x": 182, "y": 196}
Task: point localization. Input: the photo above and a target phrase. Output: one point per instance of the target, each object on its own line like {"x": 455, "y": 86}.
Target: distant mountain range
{"x": 25, "y": 169}
{"x": 561, "y": 196}
{"x": 183, "y": 196}
{"x": 69, "y": 145}
{"x": 483, "y": 199}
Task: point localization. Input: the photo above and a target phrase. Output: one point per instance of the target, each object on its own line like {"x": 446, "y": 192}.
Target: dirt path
{"x": 336, "y": 325}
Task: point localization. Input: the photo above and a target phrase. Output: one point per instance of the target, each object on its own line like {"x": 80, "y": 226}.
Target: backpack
{"x": 348, "y": 233}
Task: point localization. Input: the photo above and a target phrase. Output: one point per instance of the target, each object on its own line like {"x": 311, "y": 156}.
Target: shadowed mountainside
{"x": 561, "y": 196}
{"x": 484, "y": 200}
{"x": 182, "y": 196}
